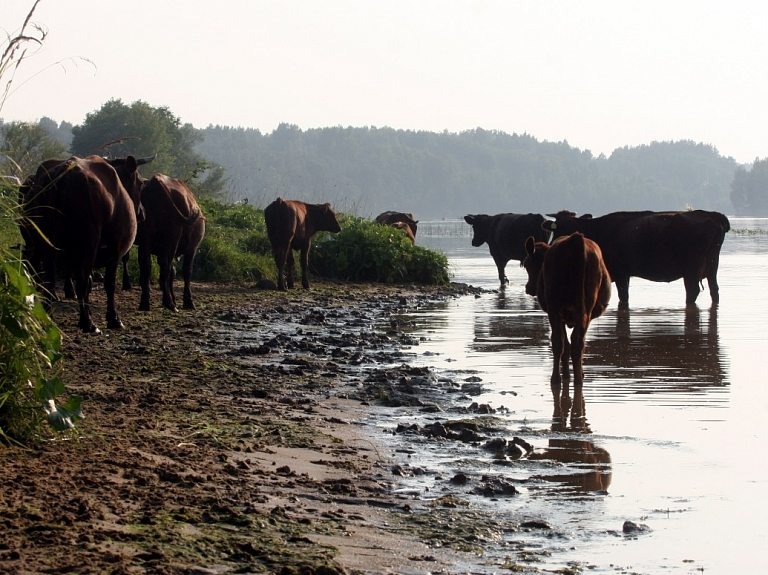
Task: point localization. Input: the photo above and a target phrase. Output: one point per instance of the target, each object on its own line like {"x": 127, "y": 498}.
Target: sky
{"x": 598, "y": 74}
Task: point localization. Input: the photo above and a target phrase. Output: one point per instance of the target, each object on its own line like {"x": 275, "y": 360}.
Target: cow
{"x": 572, "y": 285}
{"x": 173, "y": 227}
{"x": 290, "y": 226}
{"x": 400, "y": 221}
{"x": 505, "y": 235}
{"x": 657, "y": 246}
{"x": 82, "y": 213}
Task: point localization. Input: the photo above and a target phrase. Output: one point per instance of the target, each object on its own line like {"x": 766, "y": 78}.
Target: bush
{"x": 235, "y": 247}
{"x": 29, "y": 353}
{"x": 367, "y": 251}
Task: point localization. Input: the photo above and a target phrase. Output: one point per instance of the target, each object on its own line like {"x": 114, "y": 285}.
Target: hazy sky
{"x": 599, "y": 74}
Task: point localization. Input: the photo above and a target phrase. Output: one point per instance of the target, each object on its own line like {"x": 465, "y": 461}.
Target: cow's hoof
{"x": 189, "y": 305}
{"x": 89, "y": 328}
{"x": 172, "y": 308}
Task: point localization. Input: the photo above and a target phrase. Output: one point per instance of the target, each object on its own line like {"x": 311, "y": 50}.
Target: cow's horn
{"x": 148, "y": 159}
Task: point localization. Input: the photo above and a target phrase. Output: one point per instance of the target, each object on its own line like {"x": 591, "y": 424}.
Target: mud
{"x": 235, "y": 439}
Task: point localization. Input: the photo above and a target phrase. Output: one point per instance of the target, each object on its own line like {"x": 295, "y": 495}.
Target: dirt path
{"x": 215, "y": 442}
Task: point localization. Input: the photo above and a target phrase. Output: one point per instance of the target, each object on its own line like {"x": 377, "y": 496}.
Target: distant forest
{"x": 447, "y": 175}
{"x": 365, "y": 171}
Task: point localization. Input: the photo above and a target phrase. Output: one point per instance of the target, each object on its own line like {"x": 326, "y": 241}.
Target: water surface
{"x": 675, "y": 399}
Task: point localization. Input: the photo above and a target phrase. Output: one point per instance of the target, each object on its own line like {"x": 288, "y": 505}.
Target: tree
{"x": 23, "y": 146}
{"x": 118, "y": 130}
{"x": 749, "y": 189}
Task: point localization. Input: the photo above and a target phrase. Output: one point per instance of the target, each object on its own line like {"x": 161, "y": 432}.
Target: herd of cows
{"x": 84, "y": 213}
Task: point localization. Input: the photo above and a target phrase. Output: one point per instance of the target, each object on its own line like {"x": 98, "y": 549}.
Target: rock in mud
{"x": 632, "y": 528}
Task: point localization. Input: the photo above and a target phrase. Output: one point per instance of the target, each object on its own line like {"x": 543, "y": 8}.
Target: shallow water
{"x": 675, "y": 401}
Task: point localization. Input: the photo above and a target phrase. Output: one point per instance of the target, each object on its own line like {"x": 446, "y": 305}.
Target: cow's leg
{"x": 577, "y": 355}
{"x": 289, "y": 268}
{"x": 83, "y": 284}
{"x": 145, "y": 271}
{"x": 171, "y": 281}
{"x": 691, "y": 289}
{"x": 165, "y": 264}
{"x": 578, "y": 413}
{"x": 714, "y": 288}
{"x": 69, "y": 286}
{"x": 305, "y": 267}
{"x": 280, "y": 258}
{"x": 622, "y": 286}
{"x": 186, "y": 272}
{"x": 110, "y": 283}
{"x": 503, "y": 280}
{"x": 126, "y": 278}
{"x": 558, "y": 338}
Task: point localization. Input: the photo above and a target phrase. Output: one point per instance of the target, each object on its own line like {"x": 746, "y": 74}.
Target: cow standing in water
{"x": 573, "y": 287}
{"x": 505, "y": 235}
{"x": 400, "y": 221}
{"x": 290, "y": 226}
{"x": 657, "y": 246}
{"x": 83, "y": 214}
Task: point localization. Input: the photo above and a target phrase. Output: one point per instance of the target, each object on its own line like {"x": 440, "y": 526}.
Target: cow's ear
{"x": 470, "y": 220}
{"x": 548, "y": 225}
{"x": 131, "y": 164}
{"x": 530, "y": 245}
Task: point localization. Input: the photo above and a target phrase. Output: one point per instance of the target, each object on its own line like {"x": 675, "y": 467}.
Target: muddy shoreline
{"x": 233, "y": 439}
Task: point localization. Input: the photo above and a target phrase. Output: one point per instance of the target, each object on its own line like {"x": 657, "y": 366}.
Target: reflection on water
{"x": 670, "y": 391}
{"x": 513, "y": 323}
{"x": 658, "y": 351}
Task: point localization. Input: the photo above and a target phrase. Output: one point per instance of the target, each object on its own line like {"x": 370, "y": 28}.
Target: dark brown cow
{"x": 657, "y": 246}
{"x": 573, "y": 287}
{"x": 505, "y": 235}
{"x": 173, "y": 227}
{"x": 290, "y": 226}
{"x": 81, "y": 215}
{"x": 406, "y": 229}
{"x": 401, "y": 221}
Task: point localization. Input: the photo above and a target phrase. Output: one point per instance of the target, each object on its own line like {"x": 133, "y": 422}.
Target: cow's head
{"x": 329, "y": 223}
{"x": 533, "y": 263}
{"x": 564, "y": 224}
{"x": 479, "y": 225}
{"x": 128, "y": 171}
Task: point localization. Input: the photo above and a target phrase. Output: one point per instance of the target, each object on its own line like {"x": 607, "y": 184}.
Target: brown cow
{"x": 657, "y": 246}
{"x": 81, "y": 215}
{"x": 572, "y": 286}
{"x": 173, "y": 227}
{"x": 290, "y": 226}
{"x": 400, "y": 221}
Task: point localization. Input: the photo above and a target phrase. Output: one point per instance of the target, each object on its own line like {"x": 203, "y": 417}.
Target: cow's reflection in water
{"x": 586, "y": 467}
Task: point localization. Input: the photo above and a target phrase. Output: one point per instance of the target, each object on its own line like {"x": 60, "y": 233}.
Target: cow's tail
{"x": 580, "y": 255}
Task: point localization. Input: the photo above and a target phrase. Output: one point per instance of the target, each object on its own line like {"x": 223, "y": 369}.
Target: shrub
{"x": 29, "y": 353}
{"x": 367, "y": 251}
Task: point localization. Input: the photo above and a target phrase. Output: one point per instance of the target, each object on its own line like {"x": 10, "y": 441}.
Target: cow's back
{"x": 508, "y": 233}
{"x": 576, "y": 284}
{"x": 658, "y": 246}
{"x": 283, "y": 221}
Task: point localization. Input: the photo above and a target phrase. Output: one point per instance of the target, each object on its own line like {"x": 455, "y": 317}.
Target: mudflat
{"x": 229, "y": 438}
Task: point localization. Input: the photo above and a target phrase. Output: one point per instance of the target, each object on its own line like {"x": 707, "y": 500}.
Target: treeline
{"x": 365, "y": 171}
{"x": 447, "y": 175}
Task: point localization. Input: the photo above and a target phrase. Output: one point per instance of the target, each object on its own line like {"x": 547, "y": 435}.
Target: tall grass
{"x": 29, "y": 347}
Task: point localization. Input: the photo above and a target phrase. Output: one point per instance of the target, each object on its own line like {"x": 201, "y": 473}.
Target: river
{"x": 675, "y": 400}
